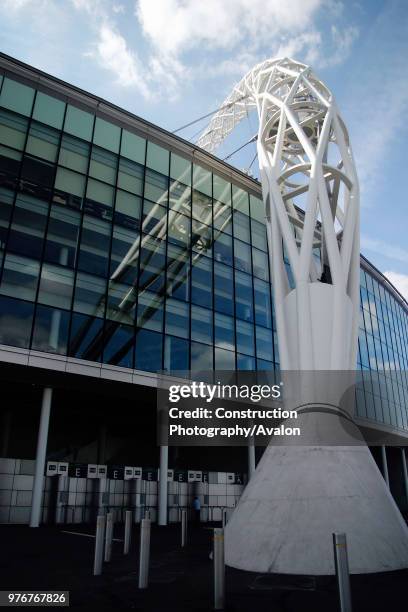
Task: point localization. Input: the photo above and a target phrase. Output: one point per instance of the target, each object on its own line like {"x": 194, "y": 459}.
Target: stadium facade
{"x": 126, "y": 250}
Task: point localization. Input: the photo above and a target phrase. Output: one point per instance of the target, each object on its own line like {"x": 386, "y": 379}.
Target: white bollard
{"x": 99, "y": 544}
{"x": 219, "y": 569}
{"x": 144, "y": 554}
{"x": 128, "y": 531}
{"x": 183, "y": 528}
{"x": 108, "y": 537}
{"x": 342, "y": 571}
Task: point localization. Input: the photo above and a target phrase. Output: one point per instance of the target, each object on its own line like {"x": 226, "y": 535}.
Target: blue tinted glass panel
{"x": 133, "y": 147}
{"x": 148, "y": 351}
{"x": 201, "y": 357}
{"x": 107, "y": 135}
{"x": 201, "y": 289}
{"x": 118, "y": 343}
{"x": 78, "y": 123}
{"x": 50, "y": 332}
{"x": 176, "y": 354}
{"x": 17, "y": 97}
{"x": 49, "y": 110}
{"x": 15, "y": 322}
{"x": 86, "y": 337}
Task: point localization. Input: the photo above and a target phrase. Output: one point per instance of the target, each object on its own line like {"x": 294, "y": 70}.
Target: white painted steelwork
{"x": 302, "y": 492}
{"x": 305, "y": 159}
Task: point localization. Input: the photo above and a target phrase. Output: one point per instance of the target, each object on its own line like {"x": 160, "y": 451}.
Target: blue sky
{"x": 171, "y": 61}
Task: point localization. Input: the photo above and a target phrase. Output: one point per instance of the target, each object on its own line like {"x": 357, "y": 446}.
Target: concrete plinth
{"x": 299, "y": 495}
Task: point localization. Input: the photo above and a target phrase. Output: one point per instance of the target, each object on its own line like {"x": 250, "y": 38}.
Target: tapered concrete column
{"x": 404, "y": 470}
{"x": 385, "y": 465}
{"x": 5, "y": 438}
{"x": 164, "y": 465}
{"x": 40, "y": 457}
{"x": 251, "y": 460}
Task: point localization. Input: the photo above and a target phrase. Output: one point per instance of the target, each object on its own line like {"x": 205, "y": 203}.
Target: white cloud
{"x": 112, "y": 53}
{"x": 400, "y": 281}
{"x": 176, "y": 26}
{"x": 239, "y": 33}
{"x": 342, "y": 40}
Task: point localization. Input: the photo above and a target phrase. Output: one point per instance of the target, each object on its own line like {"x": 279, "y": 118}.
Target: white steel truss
{"x": 302, "y": 492}
{"x": 311, "y": 197}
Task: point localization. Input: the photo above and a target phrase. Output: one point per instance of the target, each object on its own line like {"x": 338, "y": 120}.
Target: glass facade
{"x": 116, "y": 250}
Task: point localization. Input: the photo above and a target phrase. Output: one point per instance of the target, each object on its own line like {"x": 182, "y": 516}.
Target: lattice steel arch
{"x": 311, "y": 197}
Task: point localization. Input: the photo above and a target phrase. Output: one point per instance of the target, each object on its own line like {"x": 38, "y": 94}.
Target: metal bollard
{"x": 99, "y": 542}
{"x": 128, "y": 531}
{"x": 183, "y": 528}
{"x": 144, "y": 554}
{"x": 219, "y": 569}
{"x": 342, "y": 571}
{"x": 108, "y": 537}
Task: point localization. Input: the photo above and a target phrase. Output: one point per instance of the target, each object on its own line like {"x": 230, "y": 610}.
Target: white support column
{"x": 164, "y": 465}
{"x": 385, "y": 465}
{"x": 404, "y": 469}
{"x": 251, "y": 460}
{"x": 40, "y": 457}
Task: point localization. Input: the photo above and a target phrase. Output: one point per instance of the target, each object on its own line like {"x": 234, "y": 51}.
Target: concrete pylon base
{"x": 299, "y": 495}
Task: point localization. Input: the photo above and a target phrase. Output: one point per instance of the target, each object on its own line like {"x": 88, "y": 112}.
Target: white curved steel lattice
{"x": 311, "y": 196}
{"x": 298, "y": 496}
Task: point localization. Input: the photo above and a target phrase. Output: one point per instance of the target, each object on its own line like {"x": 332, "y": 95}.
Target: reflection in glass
{"x": 94, "y": 248}
{"x": 74, "y": 154}
{"x": 124, "y": 254}
{"x": 152, "y": 264}
{"x": 62, "y": 236}
{"x": 90, "y": 294}
{"x": 201, "y": 325}
{"x": 156, "y": 186}
{"x": 121, "y": 303}
{"x": 223, "y": 249}
{"x": 201, "y": 357}
{"x": 15, "y": 322}
{"x": 86, "y": 337}
{"x": 224, "y": 360}
{"x": 223, "y": 289}
{"x": 264, "y": 343}
{"x": 130, "y": 176}
{"x": 28, "y": 226}
{"x": 176, "y": 354}
{"x": 103, "y": 165}
{"x": 20, "y": 277}
{"x": 150, "y": 311}
{"x": 13, "y": 130}
{"x": 148, "y": 351}
{"x": 201, "y": 284}
{"x": 224, "y": 332}
{"x": 42, "y": 141}
{"x": 177, "y": 318}
{"x": 178, "y": 272}
{"x": 50, "y": 333}
{"x": 56, "y": 285}
{"x": 245, "y": 337}
{"x": 243, "y": 296}
{"x": 118, "y": 344}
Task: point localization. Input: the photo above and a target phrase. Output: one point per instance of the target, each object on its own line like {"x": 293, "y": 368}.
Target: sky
{"x": 173, "y": 61}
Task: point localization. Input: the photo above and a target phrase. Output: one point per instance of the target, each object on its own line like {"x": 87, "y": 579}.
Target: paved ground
{"x": 180, "y": 579}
